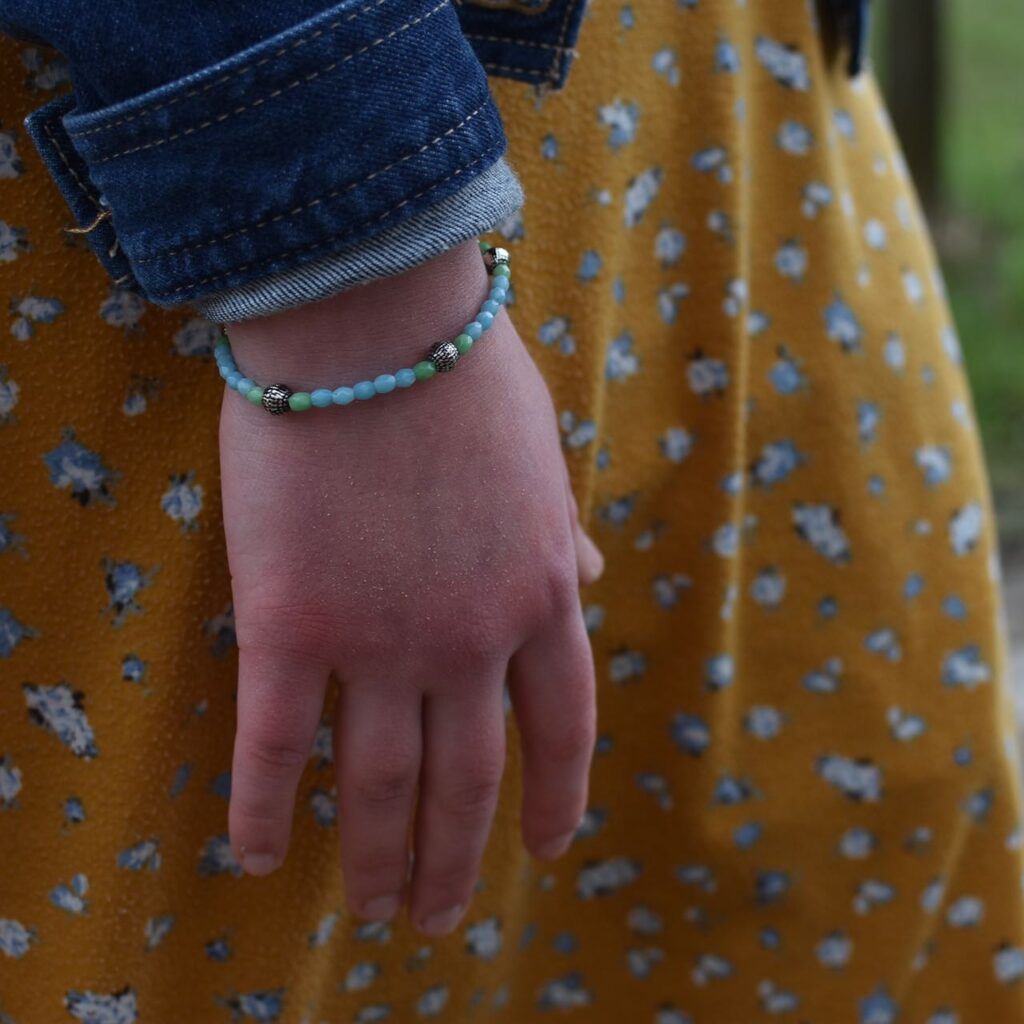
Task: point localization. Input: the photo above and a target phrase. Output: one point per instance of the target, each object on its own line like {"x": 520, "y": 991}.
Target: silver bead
{"x": 444, "y": 355}
{"x": 275, "y": 399}
{"x": 496, "y": 257}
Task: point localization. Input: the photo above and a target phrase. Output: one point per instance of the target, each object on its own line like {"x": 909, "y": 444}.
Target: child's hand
{"x": 419, "y": 545}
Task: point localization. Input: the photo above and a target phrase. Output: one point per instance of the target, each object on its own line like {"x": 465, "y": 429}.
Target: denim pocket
{"x": 529, "y": 40}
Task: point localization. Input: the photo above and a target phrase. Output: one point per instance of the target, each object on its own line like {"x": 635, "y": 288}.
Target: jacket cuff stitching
{"x": 325, "y": 242}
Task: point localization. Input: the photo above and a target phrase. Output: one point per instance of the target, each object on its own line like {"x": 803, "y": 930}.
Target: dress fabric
{"x": 804, "y": 802}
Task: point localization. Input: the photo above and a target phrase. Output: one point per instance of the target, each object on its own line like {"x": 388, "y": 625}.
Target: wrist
{"x": 364, "y": 331}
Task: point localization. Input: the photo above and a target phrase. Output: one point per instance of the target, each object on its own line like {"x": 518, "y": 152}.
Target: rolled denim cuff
{"x": 484, "y": 202}
{"x": 302, "y": 146}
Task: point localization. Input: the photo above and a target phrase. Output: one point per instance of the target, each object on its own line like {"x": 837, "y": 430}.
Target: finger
{"x": 589, "y": 560}
{"x": 551, "y": 683}
{"x": 280, "y": 700}
{"x": 377, "y": 743}
{"x": 464, "y": 757}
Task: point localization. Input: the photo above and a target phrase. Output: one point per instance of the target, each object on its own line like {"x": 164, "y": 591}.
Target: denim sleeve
{"x": 244, "y": 157}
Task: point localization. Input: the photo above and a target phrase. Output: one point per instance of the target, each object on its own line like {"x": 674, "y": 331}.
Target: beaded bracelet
{"x": 279, "y": 398}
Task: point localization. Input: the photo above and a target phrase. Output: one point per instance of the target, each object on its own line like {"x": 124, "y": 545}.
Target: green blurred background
{"x": 953, "y": 72}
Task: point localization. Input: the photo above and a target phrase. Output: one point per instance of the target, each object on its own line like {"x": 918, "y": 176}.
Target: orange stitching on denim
{"x": 67, "y": 164}
{"x": 143, "y": 111}
{"x": 569, "y": 7}
{"x": 277, "y": 92}
{"x": 512, "y": 39}
{"x": 491, "y": 66}
{"x": 323, "y": 242}
{"x": 319, "y": 199}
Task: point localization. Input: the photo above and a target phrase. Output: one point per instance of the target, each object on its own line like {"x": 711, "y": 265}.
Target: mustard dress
{"x": 804, "y": 801}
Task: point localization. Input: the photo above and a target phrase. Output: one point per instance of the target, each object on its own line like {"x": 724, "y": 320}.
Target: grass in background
{"x": 980, "y": 231}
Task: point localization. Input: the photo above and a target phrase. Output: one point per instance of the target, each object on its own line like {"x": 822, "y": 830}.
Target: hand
{"x": 421, "y": 545}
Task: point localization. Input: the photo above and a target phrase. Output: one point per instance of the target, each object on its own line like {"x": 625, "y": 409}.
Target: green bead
{"x": 255, "y": 395}
{"x": 484, "y": 246}
{"x": 463, "y": 343}
{"x": 501, "y": 270}
{"x": 424, "y": 370}
{"x": 300, "y": 401}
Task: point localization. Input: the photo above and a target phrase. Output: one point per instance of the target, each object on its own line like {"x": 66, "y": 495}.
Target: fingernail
{"x": 555, "y": 847}
{"x": 443, "y": 921}
{"x": 258, "y": 863}
{"x": 381, "y": 908}
{"x": 596, "y": 558}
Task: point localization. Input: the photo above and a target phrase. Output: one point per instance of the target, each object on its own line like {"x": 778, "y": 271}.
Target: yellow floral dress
{"x": 804, "y": 801}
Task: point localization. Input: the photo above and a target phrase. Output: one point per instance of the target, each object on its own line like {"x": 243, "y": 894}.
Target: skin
{"x": 422, "y": 548}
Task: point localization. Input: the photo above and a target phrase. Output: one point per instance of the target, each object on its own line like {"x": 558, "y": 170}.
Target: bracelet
{"x": 279, "y": 398}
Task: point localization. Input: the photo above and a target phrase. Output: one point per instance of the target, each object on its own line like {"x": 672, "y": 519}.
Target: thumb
{"x": 589, "y": 560}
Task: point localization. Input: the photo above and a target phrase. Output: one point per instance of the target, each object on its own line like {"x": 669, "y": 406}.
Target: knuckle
{"x": 570, "y": 744}
{"x": 384, "y": 786}
{"x": 274, "y": 755}
{"x": 472, "y": 796}
{"x": 561, "y": 590}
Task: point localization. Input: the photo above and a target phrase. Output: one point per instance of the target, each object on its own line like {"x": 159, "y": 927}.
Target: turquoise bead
{"x": 484, "y": 319}
{"x": 365, "y": 389}
{"x": 490, "y": 306}
{"x": 342, "y": 396}
{"x": 473, "y": 329}
{"x": 321, "y": 398}
{"x": 499, "y": 284}
{"x": 384, "y": 383}
{"x": 233, "y": 378}
{"x": 499, "y": 295}
{"x": 405, "y": 378}
{"x": 226, "y": 371}
{"x": 244, "y": 386}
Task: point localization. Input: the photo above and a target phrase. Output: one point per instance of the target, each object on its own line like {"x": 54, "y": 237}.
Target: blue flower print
{"x": 665, "y": 62}
{"x": 10, "y": 392}
{"x": 640, "y": 193}
{"x": 183, "y": 500}
{"x": 61, "y": 712}
{"x": 123, "y": 581}
{"x": 123, "y": 308}
{"x": 93, "y": 1008}
{"x": 12, "y": 632}
{"x": 568, "y": 992}
{"x": 259, "y": 1007}
{"x": 706, "y": 375}
{"x": 13, "y": 242}
{"x": 794, "y": 138}
{"x": 74, "y": 467}
{"x": 196, "y": 338}
{"x": 10, "y": 163}
{"x": 965, "y": 668}
{"x": 71, "y": 897}
{"x": 47, "y": 70}
{"x": 621, "y": 362}
{"x": 31, "y": 310}
{"x": 10, "y": 783}
{"x": 818, "y": 524}
{"x": 15, "y": 938}
{"x": 858, "y": 778}
{"x": 842, "y": 326}
{"x": 216, "y": 858}
{"x": 786, "y": 64}
{"x": 221, "y": 632}
{"x": 144, "y": 854}
{"x": 965, "y": 526}
{"x": 133, "y": 669}
{"x": 157, "y": 929}
{"x": 621, "y": 120}
{"x": 777, "y": 462}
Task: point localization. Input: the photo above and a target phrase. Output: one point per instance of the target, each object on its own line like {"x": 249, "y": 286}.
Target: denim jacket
{"x": 248, "y": 156}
